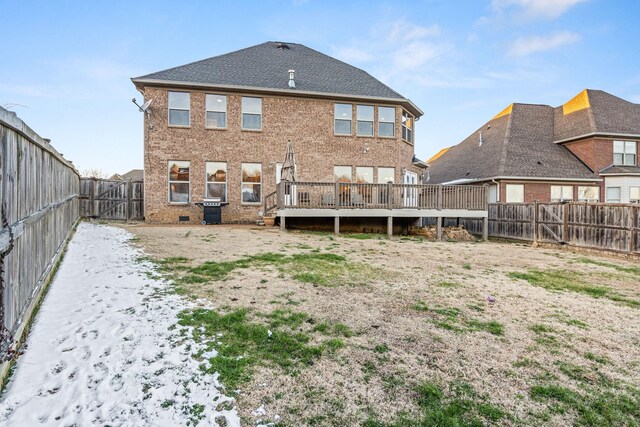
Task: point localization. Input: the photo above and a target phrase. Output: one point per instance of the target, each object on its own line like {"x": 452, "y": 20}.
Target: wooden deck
{"x": 346, "y": 199}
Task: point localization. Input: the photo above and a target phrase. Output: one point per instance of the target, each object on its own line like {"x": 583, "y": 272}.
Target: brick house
{"x": 220, "y": 127}
{"x": 584, "y": 150}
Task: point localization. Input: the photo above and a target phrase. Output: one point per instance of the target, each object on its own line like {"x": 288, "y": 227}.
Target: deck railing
{"x": 349, "y": 195}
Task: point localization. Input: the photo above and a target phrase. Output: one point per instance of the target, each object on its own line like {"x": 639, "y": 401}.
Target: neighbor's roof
{"x": 265, "y": 67}
{"x": 620, "y": 170}
{"x": 595, "y": 112}
{"x": 517, "y": 142}
{"x": 134, "y": 175}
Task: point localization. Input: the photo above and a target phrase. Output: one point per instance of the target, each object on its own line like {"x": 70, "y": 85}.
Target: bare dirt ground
{"x": 491, "y": 333}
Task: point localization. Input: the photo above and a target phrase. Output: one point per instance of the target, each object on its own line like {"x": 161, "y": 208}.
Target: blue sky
{"x": 66, "y": 65}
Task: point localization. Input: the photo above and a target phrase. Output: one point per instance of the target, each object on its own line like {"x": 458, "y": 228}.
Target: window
{"x": 364, "y": 174}
{"x": 179, "y": 108}
{"x": 515, "y": 193}
{"x": 251, "y": 113}
{"x": 561, "y": 192}
{"x": 634, "y": 194}
{"x": 217, "y": 180}
{"x": 407, "y": 127}
{"x": 386, "y": 121}
{"x": 179, "y": 182}
{"x": 624, "y": 153}
{"x": 613, "y": 194}
{"x": 364, "y": 114}
{"x": 589, "y": 194}
{"x": 342, "y": 173}
{"x": 386, "y": 175}
{"x": 342, "y": 115}
{"x": 216, "y": 114}
{"x": 251, "y": 185}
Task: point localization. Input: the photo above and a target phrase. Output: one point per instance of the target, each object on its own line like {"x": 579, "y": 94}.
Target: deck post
{"x": 336, "y": 225}
{"x": 485, "y": 228}
{"x": 336, "y": 193}
{"x": 283, "y": 225}
{"x": 390, "y": 195}
{"x": 439, "y": 198}
{"x": 438, "y": 228}
{"x": 389, "y": 227}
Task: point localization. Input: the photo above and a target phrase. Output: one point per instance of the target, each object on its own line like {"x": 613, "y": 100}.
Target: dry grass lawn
{"x": 359, "y": 330}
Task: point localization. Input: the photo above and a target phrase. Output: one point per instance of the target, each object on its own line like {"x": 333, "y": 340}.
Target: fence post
{"x": 92, "y": 189}
{"x": 632, "y": 220}
{"x": 565, "y": 222}
{"x": 128, "y": 194}
{"x": 535, "y": 223}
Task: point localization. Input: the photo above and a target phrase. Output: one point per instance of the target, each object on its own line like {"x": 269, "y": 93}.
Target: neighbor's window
{"x": 634, "y": 194}
{"x": 178, "y": 182}
{"x": 179, "y": 108}
{"x": 407, "y": 127}
{"x": 216, "y": 114}
{"x": 493, "y": 193}
{"x": 624, "y": 153}
{"x": 364, "y": 114}
{"x": 588, "y": 194}
{"x": 386, "y": 121}
{"x": 342, "y": 115}
{"x": 217, "y": 180}
{"x": 251, "y": 113}
{"x": 251, "y": 185}
{"x": 561, "y": 192}
{"x": 386, "y": 175}
{"x": 364, "y": 174}
{"x": 515, "y": 193}
{"x": 342, "y": 173}
{"x": 613, "y": 194}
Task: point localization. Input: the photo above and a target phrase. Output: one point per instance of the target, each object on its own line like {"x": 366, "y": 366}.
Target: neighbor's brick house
{"x": 220, "y": 127}
{"x": 584, "y": 150}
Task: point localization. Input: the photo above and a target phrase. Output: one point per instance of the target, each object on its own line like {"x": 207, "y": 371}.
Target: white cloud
{"x": 353, "y": 54}
{"x": 527, "y": 45}
{"x": 406, "y": 31}
{"x": 546, "y": 9}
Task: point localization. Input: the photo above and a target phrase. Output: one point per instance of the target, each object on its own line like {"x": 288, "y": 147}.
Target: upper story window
{"x": 217, "y": 180}
{"x": 560, "y": 193}
{"x": 179, "y": 108}
{"x": 365, "y": 120}
{"x": 407, "y": 127}
{"x": 342, "y": 115}
{"x": 624, "y": 153}
{"x": 386, "y": 121}
{"x": 251, "y": 113}
{"x": 179, "y": 182}
{"x": 216, "y": 114}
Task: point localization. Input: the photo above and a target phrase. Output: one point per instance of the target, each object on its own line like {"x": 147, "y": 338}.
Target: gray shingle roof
{"x": 266, "y": 66}
{"x": 596, "y": 112}
{"x": 516, "y": 144}
{"x": 620, "y": 170}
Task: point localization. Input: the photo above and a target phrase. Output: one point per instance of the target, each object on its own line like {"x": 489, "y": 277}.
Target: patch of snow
{"x": 104, "y": 349}
{"x": 260, "y": 411}
{"x": 269, "y": 332}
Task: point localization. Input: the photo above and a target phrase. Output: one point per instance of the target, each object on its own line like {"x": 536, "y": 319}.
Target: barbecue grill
{"x": 212, "y": 207}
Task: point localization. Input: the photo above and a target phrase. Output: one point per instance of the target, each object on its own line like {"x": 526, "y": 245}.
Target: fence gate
{"x": 550, "y": 223}
{"x": 111, "y": 199}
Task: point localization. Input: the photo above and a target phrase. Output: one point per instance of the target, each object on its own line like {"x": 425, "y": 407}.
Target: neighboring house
{"x": 219, "y": 127}
{"x": 584, "y": 150}
{"x": 132, "y": 175}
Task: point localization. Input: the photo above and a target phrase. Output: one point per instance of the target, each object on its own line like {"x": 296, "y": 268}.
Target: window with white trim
{"x": 251, "y": 184}
{"x": 407, "y": 127}
{"x": 589, "y": 193}
{"x": 386, "y": 175}
{"x": 216, "y": 180}
{"x": 515, "y": 193}
{"x": 179, "y": 182}
{"x": 251, "y": 113}
{"x": 179, "y": 108}
{"x": 560, "y": 193}
{"x": 624, "y": 153}
{"x": 342, "y": 117}
{"x": 342, "y": 173}
{"x": 386, "y": 121}
{"x": 634, "y": 194}
{"x": 364, "y": 174}
{"x": 613, "y": 194}
{"x": 216, "y": 111}
{"x": 364, "y": 117}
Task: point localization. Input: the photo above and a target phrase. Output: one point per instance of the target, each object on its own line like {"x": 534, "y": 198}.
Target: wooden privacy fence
{"x": 612, "y": 227}
{"x": 111, "y": 199}
{"x": 38, "y": 192}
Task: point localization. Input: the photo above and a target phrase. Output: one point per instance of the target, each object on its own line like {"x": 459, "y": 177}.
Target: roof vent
{"x": 481, "y": 140}
{"x": 283, "y": 46}
{"x": 292, "y": 79}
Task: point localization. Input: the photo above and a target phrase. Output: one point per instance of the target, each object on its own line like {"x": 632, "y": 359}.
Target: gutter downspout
{"x": 497, "y": 189}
